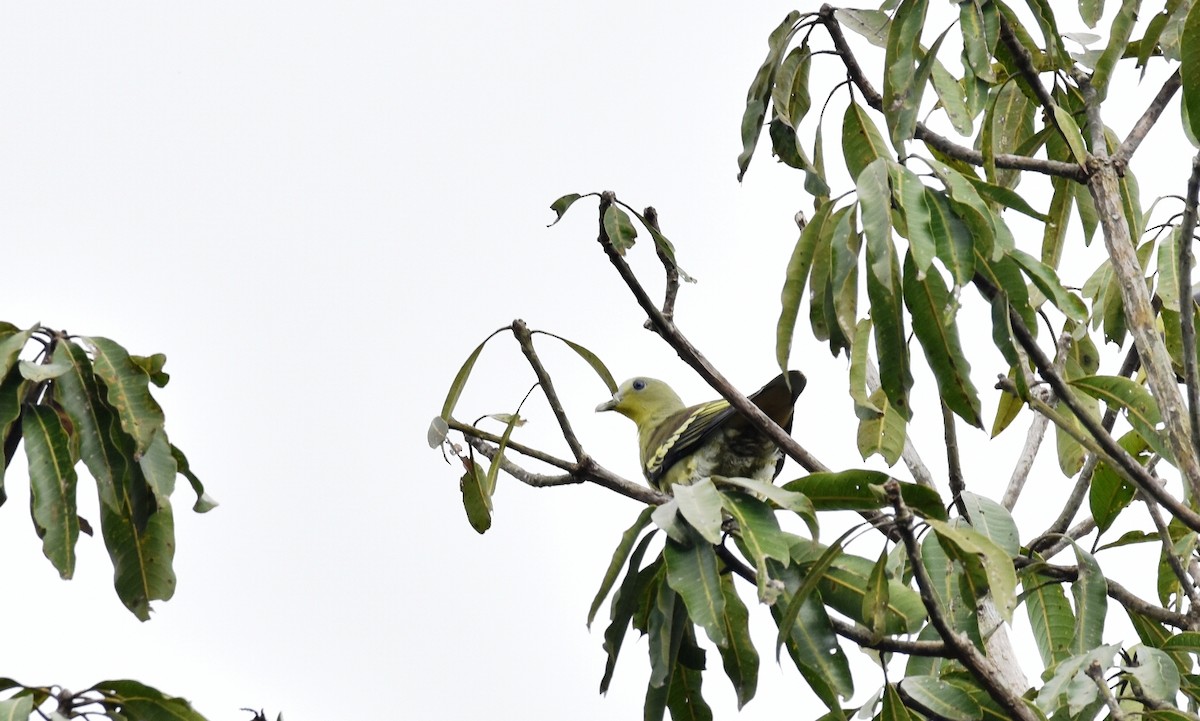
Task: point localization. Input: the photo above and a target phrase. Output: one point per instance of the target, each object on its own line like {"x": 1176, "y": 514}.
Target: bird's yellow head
{"x": 643, "y": 400}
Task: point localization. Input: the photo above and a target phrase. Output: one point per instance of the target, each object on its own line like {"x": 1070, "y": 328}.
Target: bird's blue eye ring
{"x": 639, "y": 384}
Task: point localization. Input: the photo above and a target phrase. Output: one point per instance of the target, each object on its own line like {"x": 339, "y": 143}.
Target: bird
{"x": 681, "y": 444}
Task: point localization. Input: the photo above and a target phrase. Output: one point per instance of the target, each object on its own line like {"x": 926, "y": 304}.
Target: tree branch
{"x": 1130, "y": 145}
{"x": 980, "y": 666}
{"x": 1033, "y": 439}
{"x": 1106, "y": 193}
{"x": 929, "y": 137}
{"x": 953, "y": 466}
{"x": 521, "y": 331}
{"x": 1096, "y": 674}
{"x": 1187, "y": 306}
{"x": 669, "y": 269}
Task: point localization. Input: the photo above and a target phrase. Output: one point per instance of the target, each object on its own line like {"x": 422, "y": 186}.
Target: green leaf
{"x": 952, "y": 237}
{"x": 875, "y": 600}
{"x": 844, "y": 247}
{"x": 1057, "y": 220}
{"x": 872, "y": 25}
{"x": 947, "y": 579}
{"x": 464, "y": 372}
{"x": 19, "y": 708}
{"x": 993, "y": 521}
{"x": 861, "y": 490}
{"x": 38, "y": 372}
{"x": 1110, "y": 493}
{"x": 138, "y": 702}
{"x": 591, "y": 358}
{"x": 12, "y": 394}
{"x": 795, "y": 502}
{"x": 692, "y": 571}
{"x": 153, "y": 365}
{"x": 902, "y": 89}
{"x": 476, "y": 500}
{"x": 760, "y": 90}
{"x": 561, "y": 206}
{"x": 789, "y": 96}
{"x": 884, "y": 286}
{"x": 893, "y": 707}
{"x": 1091, "y": 11}
{"x": 1007, "y": 408}
{"x": 1070, "y": 132}
{"x": 950, "y": 95}
{"x": 1070, "y": 678}
{"x": 620, "y": 555}
{"x": 937, "y": 698}
{"x": 1167, "y": 288}
{"x": 862, "y": 143}
{"x": 684, "y": 698}
{"x": 52, "y": 483}
{"x": 1091, "y": 602}
{"x": 128, "y": 391}
{"x": 977, "y": 45}
{"x": 1050, "y": 616}
{"x": 619, "y": 229}
{"x": 1190, "y": 68}
{"x": 793, "y": 284}
{"x": 997, "y": 563}
{"x": 493, "y": 471}
{"x": 812, "y": 576}
{"x": 1048, "y": 283}
{"x": 700, "y": 504}
{"x": 627, "y": 599}
{"x": 1008, "y": 123}
{"x": 739, "y": 655}
{"x": 844, "y": 585}
{"x": 664, "y": 633}
{"x": 934, "y": 323}
{"x": 885, "y": 433}
{"x": 204, "y": 502}
{"x": 11, "y": 343}
{"x": 1118, "y": 38}
{"x": 1155, "y": 672}
{"x": 1141, "y": 409}
{"x": 909, "y": 195}
{"x": 811, "y": 642}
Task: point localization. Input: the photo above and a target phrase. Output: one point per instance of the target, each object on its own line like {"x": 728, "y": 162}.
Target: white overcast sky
{"x": 317, "y": 210}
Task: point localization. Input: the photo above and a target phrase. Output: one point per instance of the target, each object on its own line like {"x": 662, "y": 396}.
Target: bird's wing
{"x": 687, "y": 430}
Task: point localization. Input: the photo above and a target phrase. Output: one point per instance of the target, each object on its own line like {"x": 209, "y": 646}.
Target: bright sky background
{"x": 316, "y": 211}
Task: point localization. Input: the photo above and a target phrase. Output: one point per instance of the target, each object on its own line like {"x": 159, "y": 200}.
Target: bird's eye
{"x": 639, "y": 384}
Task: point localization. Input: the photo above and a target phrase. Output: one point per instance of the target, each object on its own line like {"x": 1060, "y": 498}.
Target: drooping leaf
{"x": 901, "y": 90}
{"x": 1071, "y": 134}
{"x": 476, "y": 500}
{"x": 628, "y": 598}
{"x": 561, "y": 206}
{"x": 619, "y": 557}
{"x": 692, "y": 571}
{"x": 204, "y": 502}
{"x": 794, "y": 281}
{"x": 993, "y": 521}
{"x": 128, "y": 391}
{"x": 810, "y": 640}
{"x": 1048, "y": 283}
{"x": 52, "y": 483}
{"x": 592, "y": 360}
{"x": 1190, "y": 68}
{"x": 18, "y": 708}
{"x": 136, "y": 701}
{"x": 1050, "y": 616}
{"x": 700, "y": 505}
{"x": 619, "y": 228}
{"x": 1155, "y": 672}
{"x": 739, "y": 656}
{"x": 884, "y": 434}
{"x": 908, "y": 194}
{"x": 1091, "y": 604}
{"x": 939, "y": 699}
{"x": 464, "y": 372}
{"x": 952, "y": 237}
{"x": 875, "y": 600}
{"x": 997, "y": 563}
{"x": 760, "y": 89}
{"x": 862, "y": 143}
{"x": 1141, "y": 409}
{"x": 930, "y": 303}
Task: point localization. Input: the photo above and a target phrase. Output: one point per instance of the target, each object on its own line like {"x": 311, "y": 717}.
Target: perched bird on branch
{"x": 681, "y": 444}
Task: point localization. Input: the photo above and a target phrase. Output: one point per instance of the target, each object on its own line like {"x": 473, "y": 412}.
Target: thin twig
{"x": 1037, "y": 432}
{"x": 521, "y": 331}
{"x": 1173, "y": 559}
{"x": 1187, "y": 306}
{"x": 1136, "y": 134}
{"x": 963, "y": 649}
{"x": 1050, "y": 545}
{"x": 669, "y": 268}
{"x": 953, "y": 465}
{"x": 1096, "y": 674}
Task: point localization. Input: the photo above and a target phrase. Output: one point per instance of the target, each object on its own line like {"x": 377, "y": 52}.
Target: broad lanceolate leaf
{"x": 693, "y": 572}
{"x": 700, "y": 504}
{"x": 628, "y": 598}
{"x": 1057, "y": 220}
{"x": 1070, "y": 132}
{"x": 1048, "y": 283}
{"x": 1050, "y": 616}
{"x": 862, "y": 490}
{"x": 739, "y": 656}
{"x": 952, "y": 238}
{"x": 939, "y": 699}
{"x": 935, "y": 325}
{"x": 619, "y": 228}
{"x": 12, "y": 341}
{"x": 476, "y": 500}
{"x": 979, "y": 35}
{"x": 993, "y": 521}
{"x": 663, "y": 631}
{"x": 1110, "y": 493}
{"x": 12, "y": 395}
{"x": 620, "y": 555}
{"x": 1091, "y": 602}
{"x": 885, "y": 433}
{"x": 901, "y": 89}
{"x": 460, "y": 379}
{"x": 138, "y": 702}
{"x": 1155, "y": 672}
{"x": 1070, "y": 685}
{"x": 794, "y": 282}
{"x": 52, "y": 482}
{"x": 760, "y": 89}
{"x": 1141, "y": 409}
{"x": 908, "y": 194}
{"x": 789, "y": 96}
{"x": 561, "y": 205}
{"x": 788, "y": 500}
{"x": 1118, "y": 38}
{"x": 16, "y": 709}
{"x": 844, "y": 585}
{"x": 1190, "y": 54}
{"x": 862, "y": 143}
{"x": 997, "y": 563}
{"x": 810, "y": 640}
{"x": 128, "y": 392}
{"x": 591, "y": 358}
{"x": 947, "y": 576}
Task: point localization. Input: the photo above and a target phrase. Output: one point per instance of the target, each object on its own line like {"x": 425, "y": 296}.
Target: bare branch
{"x": 669, "y": 268}
{"x": 1130, "y": 145}
{"x": 1139, "y": 313}
{"x": 953, "y": 465}
{"x": 1096, "y": 674}
{"x": 1033, "y": 439}
{"x": 1187, "y": 324}
{"x": 526, "y": 340}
